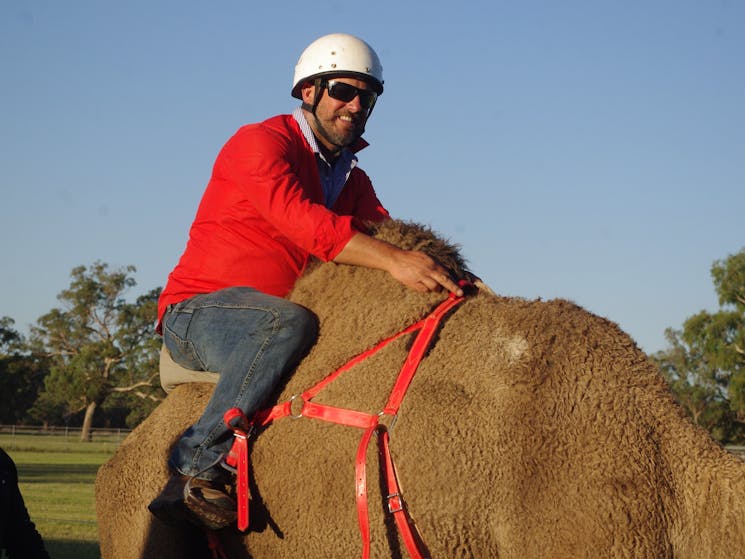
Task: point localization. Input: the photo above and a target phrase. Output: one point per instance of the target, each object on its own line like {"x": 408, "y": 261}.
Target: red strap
{"x": 241, "y": 444}
{"x": 341, "y": 416}
{"x": 265, "y": 417}
{"x": 238, "y": 458}
{"x": 360, "y": 465}
{"x": 418, "y": 349}
{"x": 396, "y": 506}
{"x": 313, "y": 391}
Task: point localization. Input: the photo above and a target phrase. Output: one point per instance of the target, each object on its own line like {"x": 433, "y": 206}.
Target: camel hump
{"x": 172, "y": 374}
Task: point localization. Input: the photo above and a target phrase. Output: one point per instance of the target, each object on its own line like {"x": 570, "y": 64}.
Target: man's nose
{"x": 355, "y": 105}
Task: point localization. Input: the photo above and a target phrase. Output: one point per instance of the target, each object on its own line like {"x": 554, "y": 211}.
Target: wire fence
{"x": 737, "y": 450}
{"x": 59, "y": 438}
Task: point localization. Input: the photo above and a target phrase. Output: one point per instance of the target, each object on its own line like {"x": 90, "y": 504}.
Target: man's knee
{"x": 301, "y": 321}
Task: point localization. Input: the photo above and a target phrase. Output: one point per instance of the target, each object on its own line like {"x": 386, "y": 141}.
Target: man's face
{"x": 337, "y": 123}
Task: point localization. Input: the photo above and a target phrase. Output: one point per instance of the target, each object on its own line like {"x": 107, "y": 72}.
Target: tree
{"x": 10, "y": 340}
{"x": 21, "y": 374}
{"x": 705, "y": 363}
{"x": 729, "y": 280}
{"x": 99, "y": 345}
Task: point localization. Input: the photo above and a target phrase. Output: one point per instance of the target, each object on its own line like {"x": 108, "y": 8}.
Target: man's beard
{"x": 341, "y": 140}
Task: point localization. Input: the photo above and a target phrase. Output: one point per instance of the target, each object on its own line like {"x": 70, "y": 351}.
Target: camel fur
{"x": 532, "y": 429}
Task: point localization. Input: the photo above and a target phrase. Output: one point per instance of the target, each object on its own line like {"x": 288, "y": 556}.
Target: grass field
{"x": 56, "y": 475}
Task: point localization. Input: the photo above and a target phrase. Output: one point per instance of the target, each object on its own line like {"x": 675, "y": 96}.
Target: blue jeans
{"x": 253, "y": 340}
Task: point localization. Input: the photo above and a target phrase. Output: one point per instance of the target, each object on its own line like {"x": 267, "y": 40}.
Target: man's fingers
{"x": 420, "y": 272}
{"x": 446, "y": 282}
{"x": 439, "y": 278}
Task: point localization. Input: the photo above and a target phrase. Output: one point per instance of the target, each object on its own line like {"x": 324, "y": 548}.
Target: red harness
{"x": 303, "y": 406}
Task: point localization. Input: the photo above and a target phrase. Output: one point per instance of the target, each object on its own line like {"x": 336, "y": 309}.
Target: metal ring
{"x": 390, "y": 424}
{"x": 300, "y": 414}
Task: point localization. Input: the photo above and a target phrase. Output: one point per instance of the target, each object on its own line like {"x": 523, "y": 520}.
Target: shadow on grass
{"x": 72, "y": 549}
{"x": 69, "y": 473}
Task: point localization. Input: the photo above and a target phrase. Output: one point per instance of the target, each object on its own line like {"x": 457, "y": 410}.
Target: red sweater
{"x": 262, "y": 215}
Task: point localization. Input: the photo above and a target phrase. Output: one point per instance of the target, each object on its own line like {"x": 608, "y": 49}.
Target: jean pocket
{"x": 175, "y": 338}
{"x": 178, "y": 322}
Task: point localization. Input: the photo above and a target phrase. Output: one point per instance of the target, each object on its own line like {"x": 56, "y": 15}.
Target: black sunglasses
{"x": 344, "y": 92}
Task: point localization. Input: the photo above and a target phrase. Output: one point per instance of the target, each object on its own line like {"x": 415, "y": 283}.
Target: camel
{"x": 532, "y": 429}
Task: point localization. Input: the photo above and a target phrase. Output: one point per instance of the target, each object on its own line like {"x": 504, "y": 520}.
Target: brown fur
{"x": 532, "y": 429}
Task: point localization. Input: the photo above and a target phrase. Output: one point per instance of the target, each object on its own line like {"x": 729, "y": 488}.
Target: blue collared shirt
{"x": 333, "y": 176}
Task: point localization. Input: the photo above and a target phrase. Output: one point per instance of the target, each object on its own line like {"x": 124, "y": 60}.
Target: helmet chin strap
{"x": 317, "y": 93}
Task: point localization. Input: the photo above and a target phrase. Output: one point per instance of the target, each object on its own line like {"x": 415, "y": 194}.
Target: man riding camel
{"x": 281, "y": 191}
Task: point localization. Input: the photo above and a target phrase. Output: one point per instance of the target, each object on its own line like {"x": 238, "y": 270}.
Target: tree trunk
{"x": 85, "y": 434}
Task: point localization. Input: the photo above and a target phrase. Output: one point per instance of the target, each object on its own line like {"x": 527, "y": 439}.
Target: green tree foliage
{"x": 729, "y": 280}
{"x": 705, "y": 363}
{"x": 103, "y": 351}
{"x": 21, "y": 374}
{"x": 10, "y": 340}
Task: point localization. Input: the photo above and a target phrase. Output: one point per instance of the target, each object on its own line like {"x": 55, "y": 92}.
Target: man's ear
{"x": 307, "y": 92}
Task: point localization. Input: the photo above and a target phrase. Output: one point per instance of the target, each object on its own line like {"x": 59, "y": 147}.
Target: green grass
{"x": 56, "y": 477}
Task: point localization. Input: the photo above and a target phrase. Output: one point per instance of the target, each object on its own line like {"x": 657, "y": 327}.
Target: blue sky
{"x": 593, "y": 151}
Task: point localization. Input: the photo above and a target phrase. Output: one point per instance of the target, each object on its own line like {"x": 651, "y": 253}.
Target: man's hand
{"x": 412, "y": 268}
{"x": 418, "y": 271}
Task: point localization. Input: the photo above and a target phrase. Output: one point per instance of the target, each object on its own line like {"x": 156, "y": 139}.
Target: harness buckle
{"x": 395, "y": 503}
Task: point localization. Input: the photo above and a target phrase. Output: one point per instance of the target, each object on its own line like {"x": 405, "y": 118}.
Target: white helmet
{"x": 341, "y": 55}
